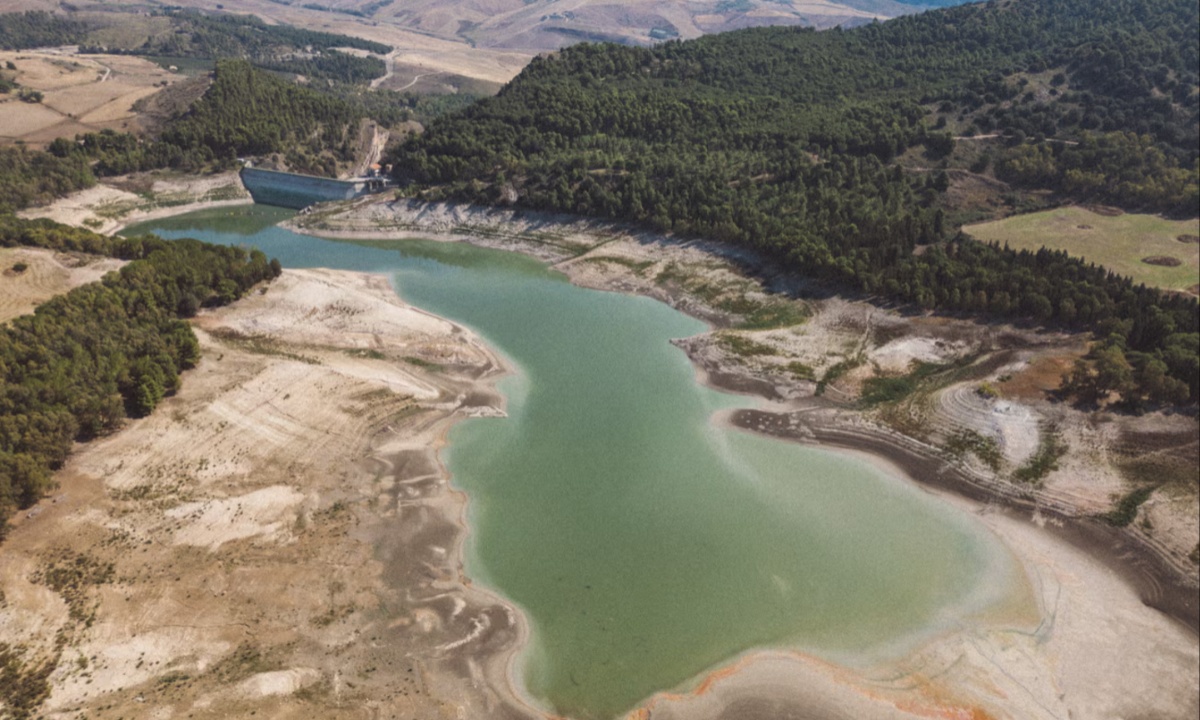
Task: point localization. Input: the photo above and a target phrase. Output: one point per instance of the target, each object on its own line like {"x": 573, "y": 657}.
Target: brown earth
{"x": 82, "y": 94}
{"x": 126, "y": 199}
{"x": 1098, "y": 652}
{"x": 46, "y": 274}
{"x": 278, "y": 538}
{"x": 1152, "y": 560}
{"x": 480, "y": 38}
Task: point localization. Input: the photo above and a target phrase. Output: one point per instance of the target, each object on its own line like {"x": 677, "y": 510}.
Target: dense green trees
{"x": 283, "y": 48}
{"x": 246, "y": 112}
{"x": 29, "y": 177}
{"x": 82, "y": 362}
{"x": 1118, "y": 168}
{"x": 784, "y": 140}
{"x": 38, "y": 29}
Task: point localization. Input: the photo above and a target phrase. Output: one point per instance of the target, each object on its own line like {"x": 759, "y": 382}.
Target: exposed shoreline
{"x": 296, "y": 477}
{"x": 737, "y": 684}
{"x": 107, "y": 209}
{"x": 516, "y": 231}
{"x": 1146, "y": 571}
{"x": 1151, "y": 573}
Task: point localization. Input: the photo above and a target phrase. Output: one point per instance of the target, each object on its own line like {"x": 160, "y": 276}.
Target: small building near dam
{"x": 296, "y": 191}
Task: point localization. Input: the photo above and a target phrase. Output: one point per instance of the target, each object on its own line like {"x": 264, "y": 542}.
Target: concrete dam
{"x": 296, "y": 191}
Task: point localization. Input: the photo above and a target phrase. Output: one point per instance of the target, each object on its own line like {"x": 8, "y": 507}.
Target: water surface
{"x": 644, "y": 543}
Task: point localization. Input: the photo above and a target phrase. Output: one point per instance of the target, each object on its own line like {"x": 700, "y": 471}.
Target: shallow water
{"x": 645, "y": 543}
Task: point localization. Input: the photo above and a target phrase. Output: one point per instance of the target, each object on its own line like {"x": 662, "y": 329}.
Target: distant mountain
{"x": 545, "y": 24}
{"x": 936, "y": 3}
{"x": 834, "y": 152}
{"x": 538, "y": 25}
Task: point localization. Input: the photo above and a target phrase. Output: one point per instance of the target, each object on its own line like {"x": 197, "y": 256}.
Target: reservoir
{"x": 646, "y": 543}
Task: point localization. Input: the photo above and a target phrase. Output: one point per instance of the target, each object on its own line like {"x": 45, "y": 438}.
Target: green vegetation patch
{"x": 423, "y": 364}
{"x": 801, "y": 371}
{"x": 24, "y": 681}
{"x": 838, "y": 369}
{"x": 887, "y": 389}
{"x": 37, "y": 28}
{"x": 743, "y": 346}
{"x": 206, "y": 37}
{"x": 770, "y": 314}
{"x": 1045, "y": 460}
{"x": 879, "y": 390}
{"x": 1127, "y": 507}
{"x": 184, "y": 65}
{"x": 30, "y": 177}
{"x": 72, "y": 575}
{"x": 982, "y": 447}
{"x": 637, "y": 266}
{"x": 260, "y": 344}
{"x": 1118, "y": 242}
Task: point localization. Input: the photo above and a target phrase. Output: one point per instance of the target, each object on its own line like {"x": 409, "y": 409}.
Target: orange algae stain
{"x": 643, "y": 713}
{"x": 716, "y": 676}
{"x": 937, "y": 703}
{"x": 934, "y": 705}
{"x": 942, "y": 712}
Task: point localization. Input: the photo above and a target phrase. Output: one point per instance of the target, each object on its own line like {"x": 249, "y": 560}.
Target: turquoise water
{"x": 645, "y": 543}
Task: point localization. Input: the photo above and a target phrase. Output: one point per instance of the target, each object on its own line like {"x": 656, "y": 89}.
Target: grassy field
{"x": 1117, "y": 242}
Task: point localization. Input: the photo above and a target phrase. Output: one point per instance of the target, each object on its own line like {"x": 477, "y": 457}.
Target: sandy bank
{"x": 1103, "y": 577}
{"x": 278, "y": 539}
{"x": 117, "y": 202}
{"x": 1097, "y": 652}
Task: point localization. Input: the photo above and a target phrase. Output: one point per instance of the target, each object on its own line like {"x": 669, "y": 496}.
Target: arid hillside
{"x": 528, "y": 25}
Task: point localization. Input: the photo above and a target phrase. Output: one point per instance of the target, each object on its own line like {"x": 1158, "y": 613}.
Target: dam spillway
{"x": 297, "y": 191}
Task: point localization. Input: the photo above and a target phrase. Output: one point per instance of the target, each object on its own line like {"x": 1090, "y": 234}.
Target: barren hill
{"x": 524, "y": 26}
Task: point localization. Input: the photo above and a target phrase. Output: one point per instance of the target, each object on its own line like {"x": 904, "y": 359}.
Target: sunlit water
{"x": 645, "y": 543}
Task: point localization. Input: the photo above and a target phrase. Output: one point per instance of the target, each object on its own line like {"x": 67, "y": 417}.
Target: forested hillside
{"x": 38, "y": 29}
{"x": 84, "y": 361}
{"x": 785, "y": 140}
{"x": 212, "y": 36}
{"x": 275, "y": 47}
{"x": 30, "y": 177}
{"x": 246, "y": 112}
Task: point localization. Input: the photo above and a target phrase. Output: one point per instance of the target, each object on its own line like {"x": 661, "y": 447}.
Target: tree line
{"x": 785, "y": 139}
{"x": 37, "y": 28}
{"x": 282, "y": 48}
{"x": 246, "y": 112}
{"x": 84, "y": 361}
{"x": 31, "y": 177}
{"x": 195, "y": 34}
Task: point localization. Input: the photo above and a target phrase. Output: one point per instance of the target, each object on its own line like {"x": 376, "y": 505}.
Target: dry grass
{"x": 45, "y": 275}
{"x": 19, "y": 119}
{"x": 1118, "y": 242}
{"x": 1040, "y": 378}
{"x": 82, "y": 94}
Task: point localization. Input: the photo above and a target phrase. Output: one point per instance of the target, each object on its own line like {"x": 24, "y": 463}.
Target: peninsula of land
{"x": 279, "y": 536}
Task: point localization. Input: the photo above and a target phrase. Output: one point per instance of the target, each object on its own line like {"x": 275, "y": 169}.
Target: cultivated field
{"x": 1118, "y": 242}
{"x": 83, "y": 93}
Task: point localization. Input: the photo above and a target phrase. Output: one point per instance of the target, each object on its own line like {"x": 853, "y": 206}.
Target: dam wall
{"x": 296, "y": 191}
